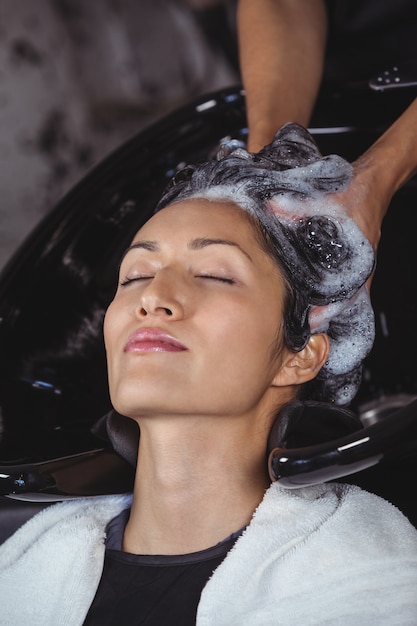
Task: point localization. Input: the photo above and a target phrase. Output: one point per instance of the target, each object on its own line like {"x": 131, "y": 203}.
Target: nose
{"x": 162, "y": 297}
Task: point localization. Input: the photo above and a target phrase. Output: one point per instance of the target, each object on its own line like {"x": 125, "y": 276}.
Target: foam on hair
{"x": 323, "y": 253}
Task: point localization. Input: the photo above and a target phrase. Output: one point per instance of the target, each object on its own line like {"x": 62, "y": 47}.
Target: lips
{"x": 153, "y": 340}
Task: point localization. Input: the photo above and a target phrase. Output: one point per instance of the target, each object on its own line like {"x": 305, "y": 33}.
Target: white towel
{"x": 330, "y": 554}
{"x": 320, "y": 556}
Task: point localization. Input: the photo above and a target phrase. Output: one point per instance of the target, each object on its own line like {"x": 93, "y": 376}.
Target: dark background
{"x": 78, "y": 78}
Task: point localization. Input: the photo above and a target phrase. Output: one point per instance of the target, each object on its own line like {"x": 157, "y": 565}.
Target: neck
{"x": 195, "y": 484}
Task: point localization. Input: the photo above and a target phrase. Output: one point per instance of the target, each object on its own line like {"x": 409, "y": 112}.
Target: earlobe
{"x": 300, "y": 367}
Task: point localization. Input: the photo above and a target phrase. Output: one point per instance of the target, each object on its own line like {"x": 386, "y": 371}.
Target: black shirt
{"x": 151, "y": 590}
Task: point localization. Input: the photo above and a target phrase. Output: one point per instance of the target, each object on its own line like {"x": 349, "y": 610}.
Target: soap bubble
{"x": 325, "y": 256}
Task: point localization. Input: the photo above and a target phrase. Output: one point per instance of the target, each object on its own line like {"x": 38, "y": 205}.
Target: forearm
{"x": 393, "y": 157}
{"x": 383, "y": 169}
{"x": 281, "y": 45}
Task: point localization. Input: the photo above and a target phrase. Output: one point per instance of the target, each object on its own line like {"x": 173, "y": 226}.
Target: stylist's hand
{"x": 383, "y": 169}
{"x": 365, "y": 200}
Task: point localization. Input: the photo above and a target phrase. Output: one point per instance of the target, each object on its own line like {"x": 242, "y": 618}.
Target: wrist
{"x": 393, "y": 157}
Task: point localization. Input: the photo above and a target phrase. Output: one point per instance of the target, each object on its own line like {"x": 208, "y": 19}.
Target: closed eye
{"x": 127, "y": 280}
{"x": 221, "y": 279}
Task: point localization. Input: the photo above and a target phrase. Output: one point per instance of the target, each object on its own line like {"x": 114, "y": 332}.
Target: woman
{"x": 245, "y": 285}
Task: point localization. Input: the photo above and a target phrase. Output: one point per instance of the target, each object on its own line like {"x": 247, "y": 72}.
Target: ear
{"x": 300, "y": 367}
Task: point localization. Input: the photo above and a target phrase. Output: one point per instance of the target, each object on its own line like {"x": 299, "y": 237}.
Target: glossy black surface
{"x": 96, "y": 472}
{"x": 53, "y": 293}
{"x": 390, "y": 439}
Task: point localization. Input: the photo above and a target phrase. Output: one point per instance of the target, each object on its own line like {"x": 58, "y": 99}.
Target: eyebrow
{"x": 203, "y": 242}
{"x": 152, "y": 246}
{"x": 194, "y": 244}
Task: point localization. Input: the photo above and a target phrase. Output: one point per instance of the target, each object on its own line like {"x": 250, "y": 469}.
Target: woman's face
{"x": 194, "y": 325}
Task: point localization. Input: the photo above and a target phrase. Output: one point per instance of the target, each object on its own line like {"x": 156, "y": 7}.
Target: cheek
{"x": 266, "y": 339}
{"x": 113, "y": 322}
{"x": 248, "y": 335}
{"x": 107, "y": 326}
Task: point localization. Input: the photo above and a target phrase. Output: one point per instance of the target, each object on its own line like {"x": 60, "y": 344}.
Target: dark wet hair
{"x": 324, "y": 256}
